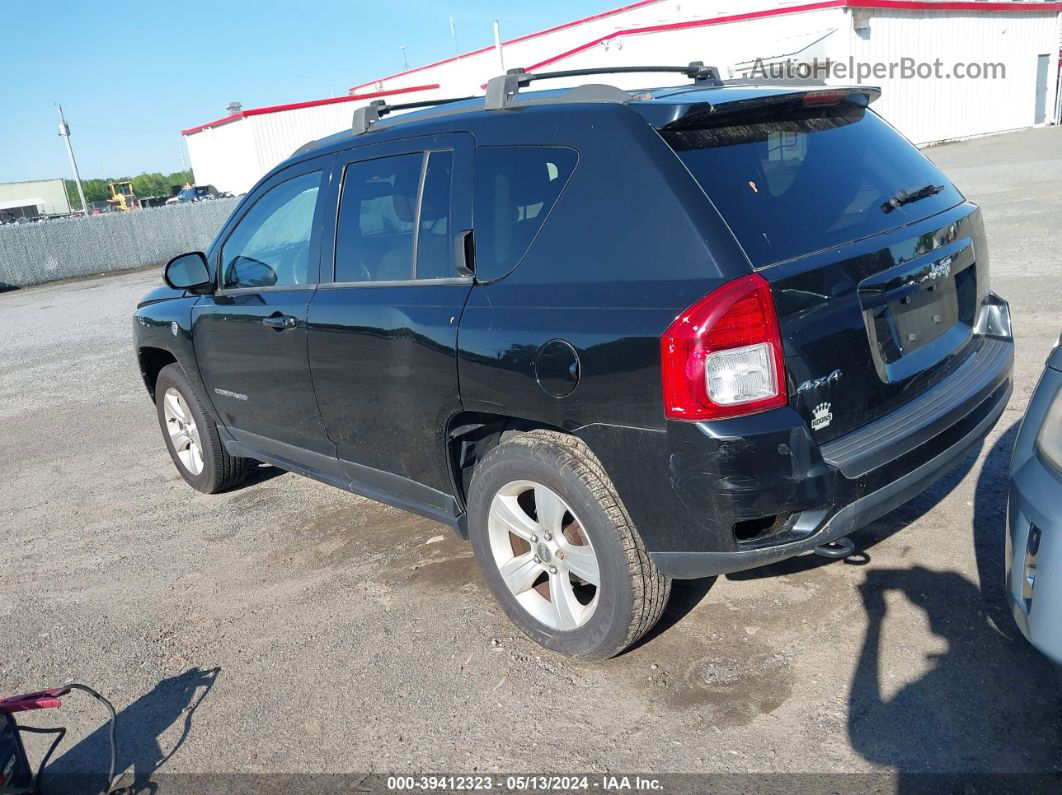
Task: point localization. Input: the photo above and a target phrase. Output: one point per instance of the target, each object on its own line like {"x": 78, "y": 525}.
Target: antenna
{"x": 498, "y": 46}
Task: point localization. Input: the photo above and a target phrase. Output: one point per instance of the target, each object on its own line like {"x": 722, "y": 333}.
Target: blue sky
{"x": 131, "y": 76}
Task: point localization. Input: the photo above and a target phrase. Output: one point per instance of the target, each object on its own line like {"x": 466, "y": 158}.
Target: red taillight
{"x": 735, "y": 330}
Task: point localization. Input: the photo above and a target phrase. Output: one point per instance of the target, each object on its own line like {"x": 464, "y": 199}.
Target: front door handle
{"x": 280, "y": 322}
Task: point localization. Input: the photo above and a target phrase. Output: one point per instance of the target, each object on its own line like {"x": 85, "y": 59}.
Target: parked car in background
{"x": 611, "y": 337}
{"x": 194, "y": 193}
{"x": 1034, "y": 515}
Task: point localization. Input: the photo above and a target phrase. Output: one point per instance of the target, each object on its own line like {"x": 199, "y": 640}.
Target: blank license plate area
{"x": 923, "y": 316}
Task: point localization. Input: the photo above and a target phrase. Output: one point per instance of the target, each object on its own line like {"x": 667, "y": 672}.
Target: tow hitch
{"x": 838, "y": 548}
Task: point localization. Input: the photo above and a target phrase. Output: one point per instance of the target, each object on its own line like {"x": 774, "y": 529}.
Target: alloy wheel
{"x": 544, "y": 555}
{"x": 180, "y": 425}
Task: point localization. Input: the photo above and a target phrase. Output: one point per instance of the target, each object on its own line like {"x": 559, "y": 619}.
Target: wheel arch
{"x": 470, "y": 435}
{"x": 152, "y": 360}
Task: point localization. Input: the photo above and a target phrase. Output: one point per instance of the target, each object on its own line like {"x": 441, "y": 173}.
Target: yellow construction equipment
{"x": 122, "y": 196}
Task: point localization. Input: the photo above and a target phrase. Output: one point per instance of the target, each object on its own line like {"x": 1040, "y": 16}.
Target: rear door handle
{"x": 465, "y": 253}
{"x": 280, "y": 322}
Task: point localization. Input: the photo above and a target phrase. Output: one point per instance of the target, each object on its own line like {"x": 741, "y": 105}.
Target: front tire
{"x": 558, "y": 549}
{"x": 192, "y": 437}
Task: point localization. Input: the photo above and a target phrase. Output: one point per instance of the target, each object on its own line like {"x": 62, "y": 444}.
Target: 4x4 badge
{"x": 815, "y": 383}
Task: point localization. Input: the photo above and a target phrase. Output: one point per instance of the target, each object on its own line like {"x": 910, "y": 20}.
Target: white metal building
{"x": 984, "y": 67}
{"x": 33, "y": 198}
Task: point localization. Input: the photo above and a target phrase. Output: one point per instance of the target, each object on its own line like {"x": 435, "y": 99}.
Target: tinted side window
{"x": 515, "y": 188}
{"x": 270, "y": 246}
{"x": 433, "y": 237}
{"x": 377, "y": 213}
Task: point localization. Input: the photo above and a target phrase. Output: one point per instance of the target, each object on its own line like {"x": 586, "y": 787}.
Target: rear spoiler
{"x": 825, "y": 96}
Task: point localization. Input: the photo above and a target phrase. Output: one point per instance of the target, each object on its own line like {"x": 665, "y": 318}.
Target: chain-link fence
{"x": 62, "y": 248}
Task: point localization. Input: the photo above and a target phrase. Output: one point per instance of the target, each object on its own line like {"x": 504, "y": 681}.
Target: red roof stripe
{"x": 944, "y": 5}
{"x": 313, "y": 103}
{"x": 902, "y": 5}
{"x": 692, "y": 23}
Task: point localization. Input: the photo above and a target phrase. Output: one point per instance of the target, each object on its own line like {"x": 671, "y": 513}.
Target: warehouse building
{"x": 948, "y": 70}
{"x": 33, "y": 199}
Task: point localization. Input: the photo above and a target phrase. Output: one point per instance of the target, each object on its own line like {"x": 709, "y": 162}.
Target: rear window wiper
{"x": 902, "y": 197}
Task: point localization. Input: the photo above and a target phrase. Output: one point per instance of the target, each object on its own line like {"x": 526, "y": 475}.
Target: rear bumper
{"x": 768, "y": 465}
{"x": 812, "y": 528}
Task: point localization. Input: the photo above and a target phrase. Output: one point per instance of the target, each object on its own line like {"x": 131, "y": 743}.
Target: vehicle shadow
{"x": 140, "y": 726}
{"x": 685, "y": 595}
{"x": 260, "y": 473}
{"x": 988, "y": 703}
{"x": 989, "y": 530}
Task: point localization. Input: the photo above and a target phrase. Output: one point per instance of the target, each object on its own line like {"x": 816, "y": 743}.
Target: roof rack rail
{"x": 501, "y": 89}
{"x": 367, "y": 115}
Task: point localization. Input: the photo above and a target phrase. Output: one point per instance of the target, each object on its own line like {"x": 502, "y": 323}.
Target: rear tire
{"x": 545, "y": 523}
{"x": 192, "y": 437}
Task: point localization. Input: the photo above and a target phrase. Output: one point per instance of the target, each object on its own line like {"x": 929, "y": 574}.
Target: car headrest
{"x": 529, "y": 186}
{"x": 436, "y": 201}
{"x": 404, "y": 197}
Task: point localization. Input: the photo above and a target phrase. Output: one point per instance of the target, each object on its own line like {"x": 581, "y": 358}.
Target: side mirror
{"x": 188, "y": 272}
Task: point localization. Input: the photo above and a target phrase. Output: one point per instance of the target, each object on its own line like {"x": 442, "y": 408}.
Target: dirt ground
{"x": 291, "y": 627}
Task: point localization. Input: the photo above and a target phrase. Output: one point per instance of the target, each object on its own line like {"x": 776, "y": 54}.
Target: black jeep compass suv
{"x": 611, "y": 337}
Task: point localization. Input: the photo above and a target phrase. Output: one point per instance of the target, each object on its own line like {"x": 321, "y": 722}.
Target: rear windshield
{"x": 791, "y": 180}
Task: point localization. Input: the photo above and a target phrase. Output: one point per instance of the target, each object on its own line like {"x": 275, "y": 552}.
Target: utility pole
{"x": 405, "y": 61}
{"x": 64, "y": 133}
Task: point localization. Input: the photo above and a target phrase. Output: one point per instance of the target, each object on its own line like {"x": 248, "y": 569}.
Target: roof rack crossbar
{"x": 367, "y": 115}
{"x": 501, "y": 89}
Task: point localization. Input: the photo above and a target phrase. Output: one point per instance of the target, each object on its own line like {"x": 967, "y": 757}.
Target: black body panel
{"x": 383, "y": 368}
{"x": 257, "y": 377}
{"x": 838, "y": 312}
{"x": 652, "y": 248}
{"x": 253, "y": 366}
{"x": 383, "y": 355}
{"x": 896, "y": 434}
{"x": 362, "y": 391}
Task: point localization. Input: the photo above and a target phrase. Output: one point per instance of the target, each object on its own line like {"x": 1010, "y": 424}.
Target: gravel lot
{"x": 288, "y": 626}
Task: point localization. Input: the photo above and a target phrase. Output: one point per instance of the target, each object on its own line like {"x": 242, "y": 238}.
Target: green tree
{"x": 179, "y": 178}
{"x": 95, "y": 190}
{"x": 153, "y": 184}
{"x": 71, "y": 194}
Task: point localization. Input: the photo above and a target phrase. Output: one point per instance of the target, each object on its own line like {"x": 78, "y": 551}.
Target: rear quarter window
{"x": 514, "y": 190}
{"x": 793, "y": 180}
